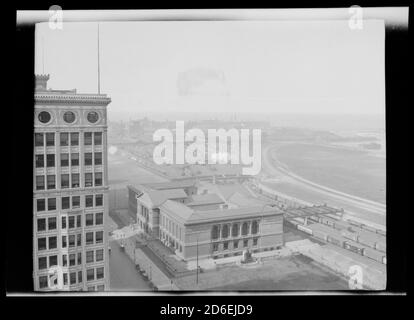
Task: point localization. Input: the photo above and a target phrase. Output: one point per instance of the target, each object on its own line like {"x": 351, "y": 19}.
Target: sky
{"x": 313, "y": 67}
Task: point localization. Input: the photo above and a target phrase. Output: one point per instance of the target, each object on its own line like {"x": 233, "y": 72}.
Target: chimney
{"x": 41, "y": 82}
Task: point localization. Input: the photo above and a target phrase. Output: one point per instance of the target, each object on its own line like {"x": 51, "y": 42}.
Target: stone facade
{"x": 70, "y": 188}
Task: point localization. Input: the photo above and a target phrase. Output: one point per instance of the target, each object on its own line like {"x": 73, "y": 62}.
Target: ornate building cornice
{"x": 75, "y": 99}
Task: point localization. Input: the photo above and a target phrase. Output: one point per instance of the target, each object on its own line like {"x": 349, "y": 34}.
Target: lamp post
{"x": 197, "y": 263}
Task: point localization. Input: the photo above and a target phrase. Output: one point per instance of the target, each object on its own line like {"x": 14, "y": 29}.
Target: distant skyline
{"x": 222, "y": 66}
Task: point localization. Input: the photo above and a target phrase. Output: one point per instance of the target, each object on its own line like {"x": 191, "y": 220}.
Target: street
{"x": 123, "y": 275}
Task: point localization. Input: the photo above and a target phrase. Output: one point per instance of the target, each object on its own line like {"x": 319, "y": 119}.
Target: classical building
{"x": 206, "y": 225}
{"x": 70, "y": 189}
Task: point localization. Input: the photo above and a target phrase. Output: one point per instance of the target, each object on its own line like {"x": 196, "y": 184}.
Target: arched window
{"x": 255, "y": 227}
{"x": 245, "y": 229}
{"x": 225, "y": 231}
{"x": 235, "y": 230}
{"x": 215, "y": 232}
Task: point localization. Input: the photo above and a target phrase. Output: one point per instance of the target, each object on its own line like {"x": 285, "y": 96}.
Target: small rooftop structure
{"x": 46, "y": 96}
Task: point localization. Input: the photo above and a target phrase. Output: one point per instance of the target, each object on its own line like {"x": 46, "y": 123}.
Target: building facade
{"x": 220, "y": 233}
{"x": 205, "y": 225}
{"x": 70, "y": 190}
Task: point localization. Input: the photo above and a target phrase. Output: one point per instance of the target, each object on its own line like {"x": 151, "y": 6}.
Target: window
{"x": 245, "y": 228}
{"x": 235, "y": 244}
{"x": 65, "y": 278}
{"x": 53, "y": 261}
{"x": 89, "y": 201}
{"x": 89, "y": 219}
{"x": 99, "y": 273}
{"x": 75, "y": 201}
{"x": 101, "y": 287}
{"x": 78, "y": 221}
{"x": 92, "y": 117}
{"x": 71, "y": 222}
{"x": 255, "y": 241}
{"x": 74, "y": 159}
{"x": 235, "y": 230}
{"x": 99, "y": 237}
{"x": 64, "y": 243}
{"x": 69, "y": 116}
{"x": 51, "y": 204}
{"x": 99, "y": 255}
{"x": 89, "y": 238}
{"x": 40, "y": 160}
{"x": 72, "y": 277}
{"x": 87, "y": 138}
{"x": 50, "y": 160}
{"x": 44, "y": 117}
{"x": 225, "y": 231}
{"x": 64, "y": 139}
{"x": 41, "y": 205}
{"x": 245, "y": 243}
{"x": 64, "y": 181}
{"x": 99, "y": 200}
{"x": 90, "y": 274}
{"x": 64, "y": 159}
{"x": 64, "y": 260}
{"x": 39, "y": 140}
{"x": 98, "y": 138}
{"x": 52, "y": 243}
{"x": 40, "y": 183}
{"x": 41, "y": 225}
{"x": 215, "y": 247}
{"x": 215, "y": 232}
{"x": 255, "y": 227}
{"x": 79, "y": 276}
{"x": 42, "y": 263}
{"x": 50, "y": 139}
{"x": 51, "y": 183}
{"x": 79, "y": 256}
{"x": 98, "y": 178}
{"x": 65, "y": 203}
{"x": 63, "y": 222}
{"x": 79, "y": 239}
{"x": 51, "y": 223}
{"x": 72, "y": 260}
{"x": 75, "y": 180}
{"x": 98, "y": 158}
{"x": 225, "y": 246}
{"x": 43, "y": 282}
{"x": 88, "y": 180}
{"x": 71, "y": 241}
{"x": 88, "y": 159}
{"x": 91, "y": 288}
{"x": 41, "y": 244}
{"x": 74, "y": 139}
{"x": 99, "y": 218}
{"x": 89, "y": 256}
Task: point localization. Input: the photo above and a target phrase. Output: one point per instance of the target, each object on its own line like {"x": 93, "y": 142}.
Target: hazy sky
{"x": 298, "y": 67}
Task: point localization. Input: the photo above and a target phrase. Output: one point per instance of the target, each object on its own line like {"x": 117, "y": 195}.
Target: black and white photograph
{"x": 209, "y": 151}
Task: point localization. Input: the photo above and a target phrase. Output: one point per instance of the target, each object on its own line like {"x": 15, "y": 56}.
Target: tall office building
{"x": 70, "y": 190}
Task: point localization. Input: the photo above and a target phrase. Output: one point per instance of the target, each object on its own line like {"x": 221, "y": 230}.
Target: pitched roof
{"x": 204, "y": 199}
{"x": 170, "y": 184}
{"x": 242, "y": 200}
{"x": 227, "y": 190}
{"x": 188, "y": 215}
{"x": 154, "y": 198}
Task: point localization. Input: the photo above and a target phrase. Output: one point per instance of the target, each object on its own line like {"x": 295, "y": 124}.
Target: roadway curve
{"x": 364, "y": 209}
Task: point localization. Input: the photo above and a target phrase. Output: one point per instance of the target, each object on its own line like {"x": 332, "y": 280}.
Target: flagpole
{"x": 99, "y": 69}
